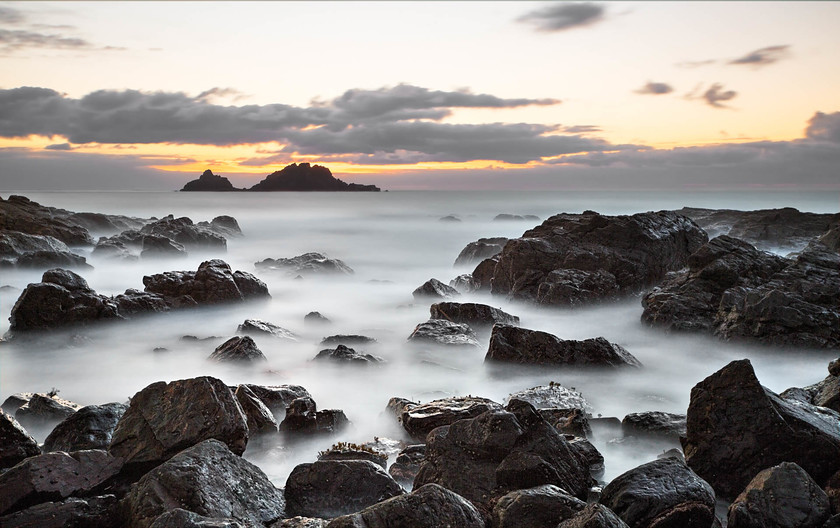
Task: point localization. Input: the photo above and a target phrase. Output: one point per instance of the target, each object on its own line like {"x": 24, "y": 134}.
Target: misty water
{"x": 394, "y": 241}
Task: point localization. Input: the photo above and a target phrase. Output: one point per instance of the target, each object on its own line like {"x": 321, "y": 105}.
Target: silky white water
{"x": 394, "y": 241}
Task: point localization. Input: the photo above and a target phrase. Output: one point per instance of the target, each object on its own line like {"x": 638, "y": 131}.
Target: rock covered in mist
{"x": 420, "y": 419}
{"x": 595, "y": 515}
{"x": 545, "y": 505}
{"x": 16, "y": 401}
{"x": 306, "y": 265}
{"x": 18, "y": 213}
{"x": 450, "y": 218}
{"x": 239, "y": 349}
{"x": 278, "y": 397}
{"x": 224, "y": 225}
{"x": 507, "y": 217}
{"x": 463, "y": 283}
{"x": 212, "y": 283}
{"x": 512, "y": 344}
{"x": 257, "y": 327}
{"x": 306, "y": 177}
{"x": 186, "y": 233}
{"x": 258, "y": 416}
{"x": 576, "y": 258}
{"x": 481, "y": 249}
{"x": 477, "y": 316}
{"x": 180, "y": 518}
{"x": 443, "y": 332}
{"x": 315, "y": 318}
{"x": 347, "y": 339}
{"x": 23, "y": 250}
{"x": 825, "y": 393}
{"x": 209, "y": 182}
{"x": 654, "y": 424}
{"x": 90, "y": 427}
{"x": 343, "y": 354}
{"x": 44, "y": 411}
{"x": 434, "y": 289}
{"x": 407, "y": 464}
{"x": 15, "y": 443}
{"x": 303, "y": 419}
{"x": 79, "y": 512}
{"x": 347, "y": 451}
{"x": 568, "y": 421}
{"x": 552, "y": 396}
{"x": 157, "y": 246}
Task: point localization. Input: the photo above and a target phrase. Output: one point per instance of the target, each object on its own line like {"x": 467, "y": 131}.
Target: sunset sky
{"x": 422, "y": 95}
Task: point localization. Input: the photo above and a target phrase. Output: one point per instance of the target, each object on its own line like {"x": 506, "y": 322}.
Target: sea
{"x": 394, "y": 241}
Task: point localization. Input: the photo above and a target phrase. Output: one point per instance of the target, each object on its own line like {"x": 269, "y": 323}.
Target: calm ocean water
{"x": 394, "y": 241}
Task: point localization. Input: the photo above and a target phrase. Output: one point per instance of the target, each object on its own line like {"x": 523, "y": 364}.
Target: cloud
{"x": 655, "y": 88}
{"x": 563, "y": 16}
{"x": 221, "y": 93}
{"x": 581, "y": 129}
{"x": 11, "y": 16}
{"x": 763, "y": 56}
{"x": 715, "y": 94}
{"x": 695, "y": 64}
{"x": 59, "y": 146}
{"x": 17, "y": 39}
{"x": 824, "y": 127}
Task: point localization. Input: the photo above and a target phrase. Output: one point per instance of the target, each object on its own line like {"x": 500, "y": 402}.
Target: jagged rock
{"x": 240, "y": 349}
{"x": 587, "y": 450}
{"x": 14, "y": 244}
{"x": 90, "y": 427}
{"x": 420, "y": 420}
{"x": 736, "y": 428}
{"x": 429, "y": 506}
{"x": 185, "y": 232}
{"x": 315, "y": 318}
{"x": 212, "y": 283}
{"x": 301, "y": 522}
{"x": 16, "y": 401}
{"x": 75, "y": 512}
{"x": 507, "y": 217}
{"x": 224, "y": 225}
{"x": 345, "y": 451}
{"x": 278, "y": 397}
{"x": 594, "y": 516}
{"x": 783, "y": 496}
{"x": 109, "y": 248}
{"x": 407, "y": 464}
{"x": 476, "y": 316}
{"x": 552, "y": 396}
{"x": 540, "y": 507}
{"x": 180, "y": 518}
{"x": 397, "y": 405}
{"x": 654, "y": 424}
{"x": 134, "y": 302}
{"x": 303, "y": 419}
{"x": 306, "y": 177}
{"x": 482, "y": 275}
{"x": 44, "y": 411}
{"x": 481, "y": 249}
{"x": 15, "y": 443}
{"x": 165, "y": 418}
{"x": 512, "y": 344}
{"x": 826, "y": 393}
{"x": 342, "y": 354}
{"x": 664, "y": 493}
{"x": 51, "y": 259}
{"x": 259, "y": 417}
{"x": 435, "y": 289}
{"x": 329, "y": 488}
{"x": 443, "y": 332}
{"x": 207, "y": 479}
{"x": 463, "y": 283}
{"x": 104, "y": 223}
{"x": 347, "y": 339}
{"x": 257, "y": 327}
{"x": 571, "y": 259}
{"x": 55, "y": 476}
{"x": 155, "y": 246}
{"x": 306, "y": 265}
{"x": 18, "y": 213}
{"x": 568, "y": 421}
{"x": 209, "y": 182}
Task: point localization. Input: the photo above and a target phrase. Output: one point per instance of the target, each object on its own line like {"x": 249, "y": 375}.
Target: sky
{"x": 422, "y": 95}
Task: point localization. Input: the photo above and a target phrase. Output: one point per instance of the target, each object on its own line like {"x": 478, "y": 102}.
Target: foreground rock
{"x": 306, "y": 177}
{"x": 180, "y": 518}
{"x": 207, "y": 479}
{"x": 74, "y": 512}
{"x": 571, "y": 259}
{"x": 260, "y": 419}
{"x": 90, "y": 427}
{"x": 165, "y": 418}
{"x": 783, "y": 496}
{"x": 407, "y": 464}
{"x": 594, "y": 516}
{"x": 36, "y": 251}
{"x": 240, "y": 349}
{"x": 736, "y": 428}
{"x": 543, "y": 506}
{"x": 209, "y": 182}
{"x": 512, "y": 344}
{"x": 343, "y": 354}
{"x": 212, "y": 283}
{"x": 664, "y": 493}
{"x": 349, "y": 451}
{"x": 420, "y": 419}
{"x": 552, "y": 396}
{"x": 278, "y": 397}
{"x": 15, "y": 443}
{"x": 654, "y": 425}
{"x": 481, "y": 249}
{"x": 443, "y": 332}
{"x": 304, "y": 420}
{"x": 476, "y": 316}
{"x": 257, "y": 327}
{"x": 330, "y": 488}
{"x": 44, "y": 411}
{"x": 305, "y": 265}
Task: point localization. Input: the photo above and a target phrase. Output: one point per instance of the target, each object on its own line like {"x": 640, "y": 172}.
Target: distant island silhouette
{"x": 294, "y": 177}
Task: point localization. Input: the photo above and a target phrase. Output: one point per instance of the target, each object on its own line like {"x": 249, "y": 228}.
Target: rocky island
{"x": 297, "y": 177}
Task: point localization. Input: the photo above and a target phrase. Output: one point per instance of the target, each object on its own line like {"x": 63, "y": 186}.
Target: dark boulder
{"x": 75, "y": 512}
{"x": 587, "y": 450}
{"x": 256, "y": 327}
{"x": 14, "y": 244}
{"x": 209, "y": 182}
{"x": 407, "y": 464}
{"x": 15, "y": 443}
{"x": 260, "y": 419}
{"x": 224, "y": 225}
{"x": 209, "y": 480}
{"x": 568, "y": 421}
{"x": 463, "y": 283}
{"x": 106, "y": 224}
{"x": 832, "y": 489}
{"x": 347, "y": 340}
{"x": 305, "y": 177}
{"x": 482, "y": 275}
{"x": 18, "y": 213}
{"x": 434, "y": 289}
{"x": 51, "y": 259}
{"x": 300, "y": 522}
{"x": 110, "y": 248}
{"x": 552, "y": 396}
{"x": 654, "y": 424}
{"x": 342, "y": 354}
{"x": 303, "y": 419}
{"x": 180, "y": 518}
{"x": 575, "y": 258}
{"x": 184, "y": 232}
{"x": 540, "y": 507}
{"x": 783, "y": 496}
{"x": 315, "y": 318}
{"x": 134, "y": 302}
{"x": 481, "y": 249}
{"x": 155, "y": 246}
{"x": 239, "y": 349}
{"x": 278, "y": 397}
{"x": 512, "y": 344}
{"x": 16, "y": 401}
{"x": 736, "y": 428}
{"x": 306, "y": 264}
{"x": 444, "y": 333}
{"x": 664, "y": 493}
{"x": 165, "y": 418}
{"x": 45, "y": 411}
{"x": 429, "y": 506}
{"x": 212, "y": 283}
{"x": 330, "y": 488}
{"x": 90, "y": 427}
{"x": 419, "y": 420}
{"x": 54, "y": 477}
{"x": 826, "y": 393}
{"x": 594, "y": 516}
{"x": 476, "y": 316}
{"x": 348, "y": 451}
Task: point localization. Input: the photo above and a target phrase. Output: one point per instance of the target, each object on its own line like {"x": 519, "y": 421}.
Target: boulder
{"x": 305, "y": 265}
{"x": 165, "y": 418}
{"x": 587, "y": 450}
{"x": 315, "y": 318}
{"x": 342, "y": 354}
{"x": 330, "y": 488}
{"x": 45, "y": 411}
{"x": 105, "y": 223}
{"x": 278, "y": 397}
{"x": 207, "y": 479}
{"x": 180, "y": 518}
{"x": 444, "y": 333}
{"x": 184, "y": 232}
{"x": 463, "y": 283}
{"x": 223, "y": 225}
{"x": 134, "y": 302}
{"x": 595, "y": 515}
{"x": 481, "y": 249}
{"x": 301, "y": 522}
{"x": 260, "y": 419}
{"x": 209, "y": 182}
{"x": 54, "y": 477}
{"x": 303, "y": 419}
{"x": 434, "y": 289}
{"x": 156, "y": 246}
{"x": 476, "y": 316}
{"x": 348, "y": 451}
{"x": 347, "y": 340}
{"x": 420, "y": 420}
{"x": 114, "y": 249}
{"x": 13, "y": 244}
{"x": 482, "y": 275}
{"x": 782, "y": 496}
{"x": 826, "y": 393}
{"x": 16, "y": 401}
{"x": 654, "y": 424}
{"x": 239, "y": 349}
{"x": 305, "y": 177}
{"x": 664, "y": 493}
{"x": 212, "y": 283}
{"x": 832, "y": 489}
{"x": 407, "y": 464}
{"x": 568, "y": 421}
{"x": 90, "y": 427}
{"x": 429, "y": 506}
{"x": 18, "y": 213}
{"x": 51, "y": 259}
{"x": 256, "y": 327}
{"x": 736, "y": 428}
{"x": 15, "y": 443}
{"x": 552, "y": 396}
{"x": 511, "y": 344}
{"x": 540, "y": 507}
{"x": 576, "y": 258}
{"x": 74, "y": 512}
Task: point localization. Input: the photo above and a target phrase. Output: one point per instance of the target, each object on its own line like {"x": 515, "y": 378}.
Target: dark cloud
{"x": 581, "y": 129}
{"x": 11, "y": 16}
{"x": 59, "y": 146}
{"x": 716, "y": 94}
{"x": 17, "y": 39}
{"x": 230, "y": 93}
{"x": 824, "y": 127}
{"x": 655, "y": 88}
{"x": 763, "y": 56}
{"x": 562, "y": 16}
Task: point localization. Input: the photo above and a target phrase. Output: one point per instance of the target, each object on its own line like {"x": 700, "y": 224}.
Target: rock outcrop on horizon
{"x": 306, "y": 177}
{"x": 210, "y": 182}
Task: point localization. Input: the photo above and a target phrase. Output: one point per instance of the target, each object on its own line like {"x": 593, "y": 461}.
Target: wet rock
{"x": 407, "y": 464}
{"x": 463, "y": 283}
{"x": 736, "y": 428}
{"x": 552, "y": 396}
{"x": 540, "y": 507}
{"x": 329, "y": 488}
{"x": 157, "y": 246}
{"x": 481, "y": 249}
{"x": 420, "y": 420}
{"x": 511, "y": 344}
{"x": 303, "y": 419}
{"x": 15, "y": 402}
{"x": 18, "y": 213}
{"x": 476, "y": 316}
{"x": 212, "y": 283}
{"x": 568, "y": 421}
{"x": 278, "y": 397}
{"x": 224, "y": 225}
{"x": 654, "y": 424}
{"x": 44, "y": 411}
{"x": 165, "y": 418}
{"x": 783, "y": 496}
{"x": 834, "y": 367}
{"x": 104, "y": 223}
{"x": 571, "y": 259}
{"x": 826, "y": 393}
{"x": 15, "y": 443}
{"x": 90, "y": 427}
{"x": 482, "y": 275}
{"x": 832, "y": 489}
{"x": 240, "y": 349}
{"x": 434, "y": 289}
{"x": 397, "y": 405}
{"x": 347, "y": 340}
{"x": 587, "y": 450}
{"x": 663, "y": 493}
{"x": 257, "y": 327}
{"x": 301, "y": 522}
{"x": 443, "y": 332}
{"x": 75, "y": 512}
{"x": 209, "y": 182}
{"x": 51, "y": 259}
{"x": 348, "y": 451}
{"x": 315, "y": 318}
{"x": 429, "y": 506}
{"x": 13, "y": 244}
{"x": 186, "y": 233}
{"x": 55, "y": 476}
{"x": 110, "y": 248}
{"x": 134, "y": 302}
{"x": 180, "y": 518}
{"x": 594, "y": 516}
{"x": 305, "y": 265}
{"x": 260, "y": 419}
{"x": 342, "y": 354}
{"x": 207, "y": 479}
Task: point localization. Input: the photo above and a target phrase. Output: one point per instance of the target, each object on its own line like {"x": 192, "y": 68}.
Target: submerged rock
{"x": 306, "y": 264}
{"x": 44, "y": 411}
{"x": 90, "y": 427}
{"x": 315, "y": 318}
{"x": 481, "y": 249}
{"x": 654, "y": 424}
{"x": 443, "y": 332}
{"x": 156, "y": 246}
{"x": 435, "y": 289}
{"x": 343, "y": 354}
{"x": 212, "y": 283}
{"x": 477, "y": 316}
{"x": 347, "y": 339}
{"x": 240, "y": 349}
{"x": 184, "y": 232}
{"x": 257, "y": 327}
